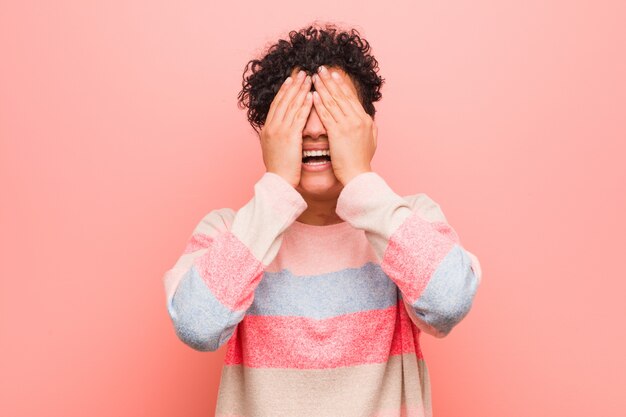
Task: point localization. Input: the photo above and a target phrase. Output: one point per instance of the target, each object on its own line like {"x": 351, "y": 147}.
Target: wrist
{"x": 347, "y": 178}
{"x": 284, "y": 177}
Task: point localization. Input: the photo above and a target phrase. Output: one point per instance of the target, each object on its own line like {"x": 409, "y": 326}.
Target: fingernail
{"x": 335, "y": 75}
{"x": 321, "y": 68}
{"x": 300, "y": 74}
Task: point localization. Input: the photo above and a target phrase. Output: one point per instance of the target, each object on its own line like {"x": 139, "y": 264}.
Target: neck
{"x": 320, "y": 212}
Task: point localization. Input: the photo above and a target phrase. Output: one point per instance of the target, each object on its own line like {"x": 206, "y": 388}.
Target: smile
{"x": 315, "y": 166}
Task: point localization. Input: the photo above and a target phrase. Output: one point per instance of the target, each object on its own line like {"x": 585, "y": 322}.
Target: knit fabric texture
{"x": 322, "y": 321}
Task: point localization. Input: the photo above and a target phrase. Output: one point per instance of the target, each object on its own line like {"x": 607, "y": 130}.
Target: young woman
{"x": 322, "y": 284}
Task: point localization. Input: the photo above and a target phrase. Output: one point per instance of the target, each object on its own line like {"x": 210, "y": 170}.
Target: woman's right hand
{"x": 281, "y": 135}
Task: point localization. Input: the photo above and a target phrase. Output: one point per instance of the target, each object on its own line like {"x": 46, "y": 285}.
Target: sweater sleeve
{"x": 211, "y": 285}
{"x": 417, "y": 249}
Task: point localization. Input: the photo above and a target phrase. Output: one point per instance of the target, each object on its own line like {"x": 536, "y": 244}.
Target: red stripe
{"x": 298, "y": 342}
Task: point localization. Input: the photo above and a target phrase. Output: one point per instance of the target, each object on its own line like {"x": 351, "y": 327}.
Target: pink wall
{"x": 119, "y": 130}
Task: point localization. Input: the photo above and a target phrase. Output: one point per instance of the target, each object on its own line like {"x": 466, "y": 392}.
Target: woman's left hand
{"x": 351, "y": 131}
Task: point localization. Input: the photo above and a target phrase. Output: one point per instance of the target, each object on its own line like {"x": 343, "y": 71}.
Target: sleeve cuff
{"x": 274, "y": 207}
{"x": 287, "y": 199}
{"x": 367, "y": 202}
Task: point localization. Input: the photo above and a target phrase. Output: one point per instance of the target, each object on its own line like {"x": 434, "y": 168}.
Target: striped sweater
{"x": 322, "y": 321}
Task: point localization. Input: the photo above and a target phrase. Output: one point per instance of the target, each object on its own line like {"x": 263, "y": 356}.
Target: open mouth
{"x": 318, "y": 157}
{"x": 316, "y": 160}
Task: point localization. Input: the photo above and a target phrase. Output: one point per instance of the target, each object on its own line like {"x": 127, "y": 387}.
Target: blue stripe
{"x": 326, "y": 295}
{"x": 448, "y": 297}
{"x": 200, "y": 320}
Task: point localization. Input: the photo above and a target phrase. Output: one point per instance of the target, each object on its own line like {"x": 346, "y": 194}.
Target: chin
{"x": 322, "y": 184}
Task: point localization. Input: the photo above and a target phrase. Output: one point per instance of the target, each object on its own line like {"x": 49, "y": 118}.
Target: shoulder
{"x": 428, "y": 208}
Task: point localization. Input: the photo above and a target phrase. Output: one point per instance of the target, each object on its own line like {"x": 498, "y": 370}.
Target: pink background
{"x": 119, "y": 130}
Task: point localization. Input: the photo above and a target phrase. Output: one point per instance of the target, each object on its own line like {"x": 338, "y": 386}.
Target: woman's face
{"x": 318, "y": 181}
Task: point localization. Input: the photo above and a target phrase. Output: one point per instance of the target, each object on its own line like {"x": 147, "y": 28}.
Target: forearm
{"x": 417, "y": 249}
{"x": 213, "y": 282}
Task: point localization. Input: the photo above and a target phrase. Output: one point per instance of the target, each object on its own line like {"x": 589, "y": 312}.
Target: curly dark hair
{"x": 308, "y": 49}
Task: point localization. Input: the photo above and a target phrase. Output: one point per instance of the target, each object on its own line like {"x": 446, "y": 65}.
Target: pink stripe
{"x": 198, "y": 241}
{"x": 230, "y": 271}
{"x": 303, "y": 343}
{"x": 446, "y": 230}
{"x": 414, "y": 251}
{"x": 299, "y": 244}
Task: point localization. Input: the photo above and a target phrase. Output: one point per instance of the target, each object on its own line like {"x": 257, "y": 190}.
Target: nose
{"x": 314, "y": 128}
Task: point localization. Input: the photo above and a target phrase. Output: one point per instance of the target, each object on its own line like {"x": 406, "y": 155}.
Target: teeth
{"x": 316, "y": 153}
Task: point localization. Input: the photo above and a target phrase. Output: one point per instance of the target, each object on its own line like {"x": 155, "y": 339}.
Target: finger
{"x": 327, "y": 119}
{"x": 297, "y": 101}
{"x": 290, "y": 93}
{"x": 285, "y": 85}
{"x": 329, "y": 101}
{"x": 349, "y": 94}
{"x": 302, "y": 114}
{"x": 331, "y": 84}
